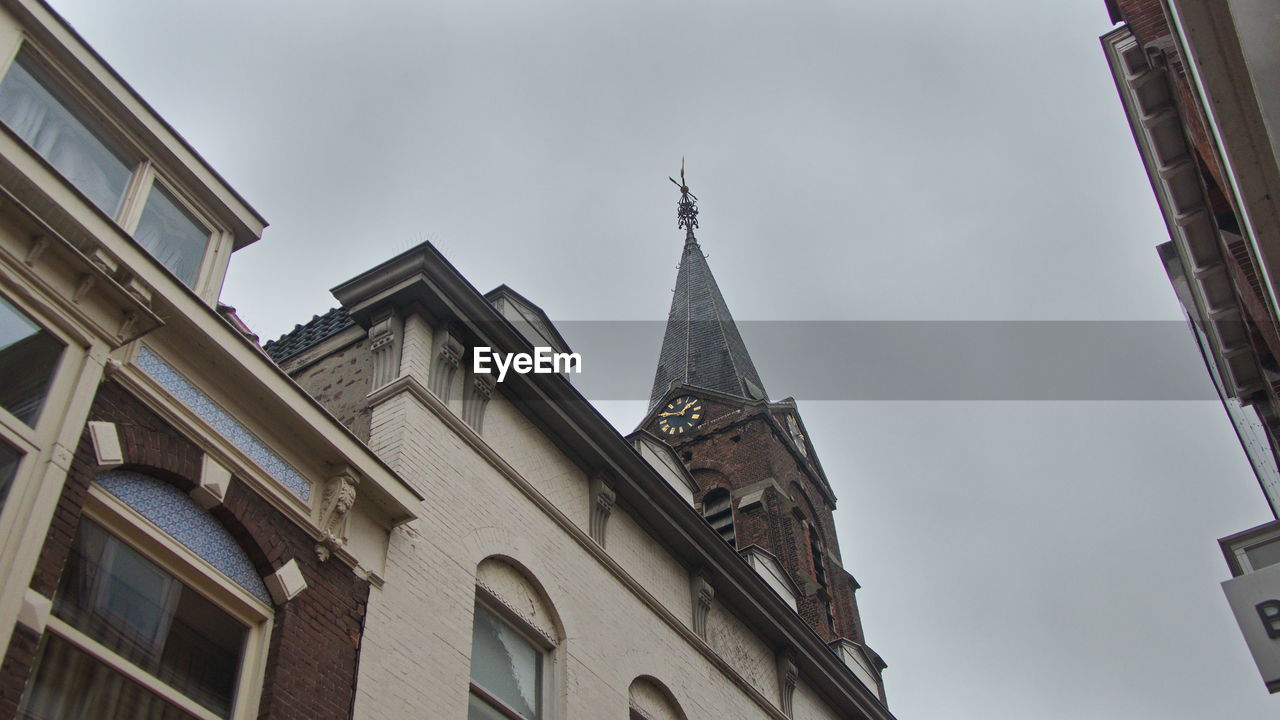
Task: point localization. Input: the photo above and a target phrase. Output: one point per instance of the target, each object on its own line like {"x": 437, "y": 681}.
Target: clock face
{"x": 680, "y": 415}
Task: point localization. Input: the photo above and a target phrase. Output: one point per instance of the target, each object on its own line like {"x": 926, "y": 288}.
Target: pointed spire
{"x": 702, "y": 347}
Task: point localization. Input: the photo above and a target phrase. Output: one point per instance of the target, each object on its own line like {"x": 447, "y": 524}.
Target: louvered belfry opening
{"x": 717, "y": 508}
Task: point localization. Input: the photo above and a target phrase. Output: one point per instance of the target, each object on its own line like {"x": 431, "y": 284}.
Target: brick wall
{"x": 18, "y": 660}
{"x": 341, "y": 382}
{"x": 315, "y": 638}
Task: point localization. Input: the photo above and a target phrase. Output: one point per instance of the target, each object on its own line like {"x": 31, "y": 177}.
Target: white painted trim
{"x": 47, "y": 449}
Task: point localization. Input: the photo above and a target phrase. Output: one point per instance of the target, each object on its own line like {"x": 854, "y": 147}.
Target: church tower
{"x": 759, "y": 481}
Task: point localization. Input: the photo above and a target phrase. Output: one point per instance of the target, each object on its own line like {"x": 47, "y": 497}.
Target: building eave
{"x": 1174, "y": 177}
{"x": 243, "y": 364}
{"x": 1208, "y": 37}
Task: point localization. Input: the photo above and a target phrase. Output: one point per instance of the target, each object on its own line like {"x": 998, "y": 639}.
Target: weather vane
{"x": 687, "y": 210}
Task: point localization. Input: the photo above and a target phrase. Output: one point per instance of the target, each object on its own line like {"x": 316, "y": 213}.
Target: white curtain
{"x": 53, "y": 131}
{"x": 171, "y": 237}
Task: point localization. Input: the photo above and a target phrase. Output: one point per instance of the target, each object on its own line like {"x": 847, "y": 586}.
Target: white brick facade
{"x": 514, "y": 494}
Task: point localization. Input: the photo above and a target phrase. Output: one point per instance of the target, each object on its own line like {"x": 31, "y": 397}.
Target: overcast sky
{"x": 873, "y": 160}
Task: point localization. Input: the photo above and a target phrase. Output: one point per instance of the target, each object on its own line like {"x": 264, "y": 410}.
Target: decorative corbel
{"x": 602, "y": 498}
{"x": 788, "y": 676}
{"x": 83, "y": 287}
{"x": 446, "y": 364}
{"x": 339, "y": 496}
{"x": 127, "y": 324}
{"x": 703, "y": 593}
{"x": 478, "y": 396}
{"x": 111, "y": 368}
{"x": 39, "y": 243}
{"x": 385, "y": 346}
{"x": 104, "y": 261}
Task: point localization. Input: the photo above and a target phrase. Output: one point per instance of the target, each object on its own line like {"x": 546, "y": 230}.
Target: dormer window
{"x": 37, "y": 110}
{"x": 169, "y": 233}
{"x": 58, "y": 127}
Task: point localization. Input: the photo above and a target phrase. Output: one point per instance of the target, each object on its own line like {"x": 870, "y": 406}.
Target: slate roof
{"x": 320, "y": 328}
{"x": 702, "y": 346}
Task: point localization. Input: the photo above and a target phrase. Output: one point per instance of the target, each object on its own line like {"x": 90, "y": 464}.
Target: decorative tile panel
{"x": 179, "y": 517}
{"x": 227, "y": 426}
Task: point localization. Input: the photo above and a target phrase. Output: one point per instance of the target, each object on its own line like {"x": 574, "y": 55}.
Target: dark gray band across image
{"x": 919, "y": 360}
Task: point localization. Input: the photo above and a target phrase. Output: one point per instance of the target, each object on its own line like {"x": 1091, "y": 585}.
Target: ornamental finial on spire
{"x": 687, "y": 209}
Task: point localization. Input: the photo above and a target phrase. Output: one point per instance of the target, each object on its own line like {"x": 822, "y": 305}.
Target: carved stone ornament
{"x": 703, "y": 593}
{"x": 384, "y": 345}
{"x": 447, "y": 362}
{"x": 451, "y": 353}
{"x": 484, "y": 386}
{"x": 477, "y": 398}
{"x": 602, "y": 499}
{"x": 788, "y": 676}
{"x": 339, "y": 497}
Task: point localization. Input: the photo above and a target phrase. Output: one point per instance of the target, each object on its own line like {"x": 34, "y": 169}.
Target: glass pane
{"x": 1265, "y": 555}
{"x": 28, "y": 358}
{"x": 136, "y": 609}
{"x": 70, "y": 684}
{"x": 33, "y": 108}
{"x": 478, "y": 709}
{"x": 9, "y": 459}
{"x": 505, "y": 664}
{"x": 171, "y": 235}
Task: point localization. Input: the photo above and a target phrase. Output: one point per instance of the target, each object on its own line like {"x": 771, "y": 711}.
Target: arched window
{"x": 514, "y": 636}
{"x": 811, "y": 533}
{"x": 146, "y": 623}
{"x": 649, "y": 699}
{"x": 717, "y": 509}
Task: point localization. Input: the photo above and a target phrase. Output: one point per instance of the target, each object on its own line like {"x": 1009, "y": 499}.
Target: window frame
{"x": 35, "y": 443}
{"x": 144, "y": 173}
{"x": 547, "y": 659}
{"x": 218, "y": 240}
{"x": 13, "y": 429}
{"x": 129, "y": 527}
